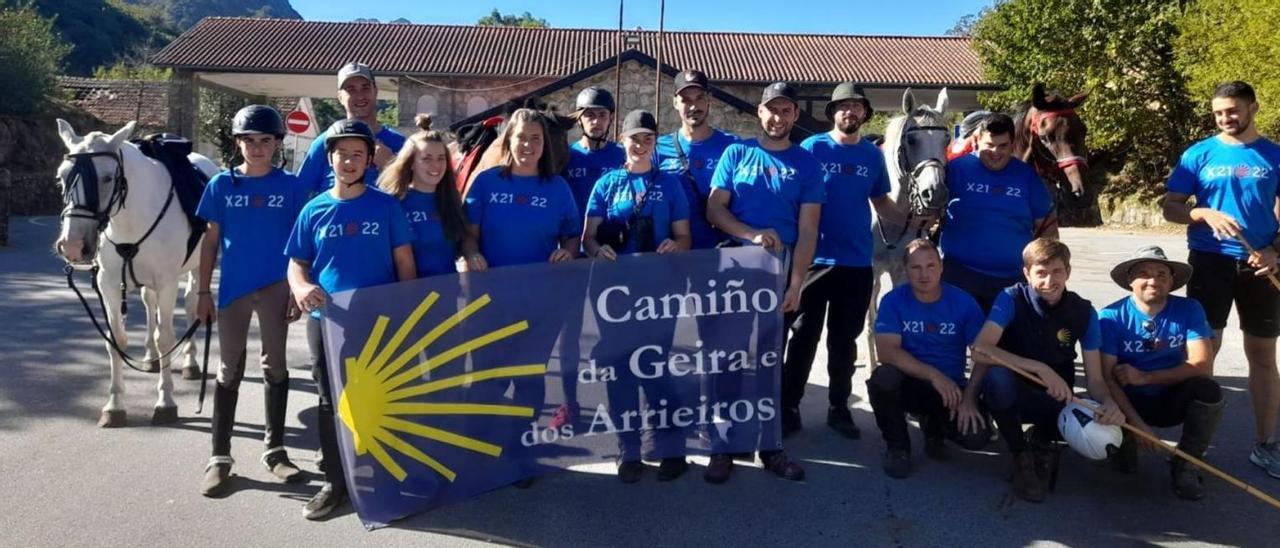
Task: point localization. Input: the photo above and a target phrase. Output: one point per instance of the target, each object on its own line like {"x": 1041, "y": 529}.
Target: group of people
{"x": 992, "y": 292}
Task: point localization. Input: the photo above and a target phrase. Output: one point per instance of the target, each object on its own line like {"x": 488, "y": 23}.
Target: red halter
{"x": 1044, "y": 115}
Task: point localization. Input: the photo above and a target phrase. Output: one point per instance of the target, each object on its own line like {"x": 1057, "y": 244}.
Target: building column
{"x": 183, "y": 104}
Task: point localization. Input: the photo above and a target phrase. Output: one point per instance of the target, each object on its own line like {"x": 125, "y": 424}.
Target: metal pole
{"x": 657, "y": 78}
{"x": 617, "y": 72}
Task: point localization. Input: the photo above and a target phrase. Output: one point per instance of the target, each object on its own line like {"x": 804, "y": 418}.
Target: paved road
{"x": 64, "y": 482}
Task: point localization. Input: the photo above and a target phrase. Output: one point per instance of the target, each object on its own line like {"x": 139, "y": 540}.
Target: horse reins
{"x": 84, "y": 174}
{"x": 917, "y": 204}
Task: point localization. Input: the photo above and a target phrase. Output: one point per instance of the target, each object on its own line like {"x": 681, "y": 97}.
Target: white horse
{"x": 114, "y": 195}
{"x": 915, "y": 153}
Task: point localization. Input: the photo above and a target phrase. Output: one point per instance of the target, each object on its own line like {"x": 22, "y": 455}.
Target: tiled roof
{"x": 293, "y": 46}
{"x": 120, "y": 101}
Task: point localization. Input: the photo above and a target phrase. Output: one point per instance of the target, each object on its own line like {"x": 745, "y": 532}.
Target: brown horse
{"x": 474, "y": 151}
{"x": 1051, "y": 138}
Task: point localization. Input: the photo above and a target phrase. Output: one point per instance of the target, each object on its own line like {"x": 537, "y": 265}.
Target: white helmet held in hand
{"x": 1086, "y": 435}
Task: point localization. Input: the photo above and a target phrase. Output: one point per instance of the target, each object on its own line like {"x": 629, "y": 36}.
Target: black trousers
{"x": 894, "y": 394}
{"x": 331, "y": 463}
{"x": 839, "y": 295}
{"x": 1169, "y": 408}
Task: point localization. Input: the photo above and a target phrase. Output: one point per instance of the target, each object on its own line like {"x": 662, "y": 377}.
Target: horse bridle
{"x": 84, "y": 174}
{"x": 916, "y": 203}
{"x": 1043, "y": 115}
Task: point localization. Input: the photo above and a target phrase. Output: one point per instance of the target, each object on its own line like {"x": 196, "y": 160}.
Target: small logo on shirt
{"x": 353, "y": 228}
{"x": 837, "y": 168}
{"x": 244, "y": 200}
{"x": 996, "y": 190}
{"x": 932, "y": 328}
{"x": 1155, "y": 344}
{"x": 518, "y": 199}
{"x": 1239, "y": 171}
{"x": 424, "y": 216}
{"x": 753, "y": 170}
{"x": 1065, "y": 337}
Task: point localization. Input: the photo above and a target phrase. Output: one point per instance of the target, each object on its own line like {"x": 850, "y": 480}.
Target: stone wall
{"x": 451, "y": 99}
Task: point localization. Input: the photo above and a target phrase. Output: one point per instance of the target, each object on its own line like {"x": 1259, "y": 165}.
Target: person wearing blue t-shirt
{"x": 593, "y": 154}
{"x": 998, "y": 205}
{"x": 638, "y": 209}
{"x": 358, "y": 94}
{"x": 1234, "y": 177}
{"x": 422, "y": 178}
{"x": 250, "y": 210}
{"x": 1035, "y": 326}
{"x": 1158, "y": 360}
{"x": 693, "y": 151}
{"x": 768, "y": 192}
{"x": 922, "y": 333}
{"x": 345, "y": 238}
{"x": 837, "y": 288}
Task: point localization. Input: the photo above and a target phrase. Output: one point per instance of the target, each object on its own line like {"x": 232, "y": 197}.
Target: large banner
{"x": 450, "y": 386}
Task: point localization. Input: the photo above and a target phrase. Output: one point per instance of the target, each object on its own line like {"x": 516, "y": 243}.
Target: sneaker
{"x": 564, "y": 415}
{"x": 791, "y": 421}
{"x": 278, "y": 463}
{"x": 325, "y": 502}
{"x": 1267, "y": 456}
{"x": 897, "y": 463}
{"x": 629, "y": 471}
{"x": 935, "y": 447}
{"x": 718, "y": 469}
{"x": 778, "y": 463}
{"x": 840, "y": 419}
{"x": 672, "y": 468}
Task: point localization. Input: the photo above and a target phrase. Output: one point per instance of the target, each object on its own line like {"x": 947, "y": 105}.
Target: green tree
{"x": 1121, "y": 51}
{"x": 125, "y": 70}
{"x": 524, "y": 20}
{"x": 101, "y": 32}
{"x": 1224, "y": 40}
{"x": 31, "y": 56}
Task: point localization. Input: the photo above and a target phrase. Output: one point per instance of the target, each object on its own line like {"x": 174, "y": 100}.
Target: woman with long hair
{"x": 423, "y": 180}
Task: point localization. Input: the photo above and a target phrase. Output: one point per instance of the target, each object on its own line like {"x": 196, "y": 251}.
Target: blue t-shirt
{"x": 935, "y": 333}
{"x": 432, "y": 252}
{"x": 1152, "y": 344}
{"x": 521, "y": 219}
{"x": 585, "y": 167}
{"x": 991, "y": 215}
{"x": 1003, "y": 311}
{"x": 767, "y": 188}
{"x": 1239, "y": 180}
{"x": 703, "y": 156}
{"x": 254, "y": 217}
{"x": 852, "y": 175}
{"x": 316, "y": 173}
{"x": 349, "y": 242}
{"x": 614, "y": 199}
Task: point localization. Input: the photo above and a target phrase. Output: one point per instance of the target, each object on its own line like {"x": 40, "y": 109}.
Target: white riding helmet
{"x": 1084, "y": 434}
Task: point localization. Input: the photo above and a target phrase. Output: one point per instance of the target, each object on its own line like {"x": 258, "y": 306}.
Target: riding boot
{"x": 275, "y": 458}
{"x": 1197, "y": 432}
{"x": 217, "y": 474}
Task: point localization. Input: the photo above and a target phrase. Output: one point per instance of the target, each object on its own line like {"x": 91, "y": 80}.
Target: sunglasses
{"x": 1150, "y": 342}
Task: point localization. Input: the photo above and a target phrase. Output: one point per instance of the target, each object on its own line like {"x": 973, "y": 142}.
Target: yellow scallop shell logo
{"x": 1064, "y": 336}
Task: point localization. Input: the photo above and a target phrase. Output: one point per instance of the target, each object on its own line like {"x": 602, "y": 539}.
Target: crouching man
{"x": 922, "y": 330}
{"x": 1157, "y": 356}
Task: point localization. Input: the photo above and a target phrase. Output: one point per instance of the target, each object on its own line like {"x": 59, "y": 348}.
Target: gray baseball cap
{"x": 353, "y": 69}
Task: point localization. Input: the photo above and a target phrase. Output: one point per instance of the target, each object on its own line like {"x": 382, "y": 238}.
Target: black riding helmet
{"x": 594, "y": 97}
{"x": 258, "y": 119}
{"x": 348, "y": 128}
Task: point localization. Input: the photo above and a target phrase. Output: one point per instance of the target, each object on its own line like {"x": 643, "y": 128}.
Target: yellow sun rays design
{"x": 373, "y": 398}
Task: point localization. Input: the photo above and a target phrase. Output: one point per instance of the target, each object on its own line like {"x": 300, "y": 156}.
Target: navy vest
{"x": 1047, "y": 333}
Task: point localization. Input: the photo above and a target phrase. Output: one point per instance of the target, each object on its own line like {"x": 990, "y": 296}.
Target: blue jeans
{"x": 1014, "y": 402}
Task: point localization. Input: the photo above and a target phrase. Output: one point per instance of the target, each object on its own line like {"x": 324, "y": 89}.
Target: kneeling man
{"x": 922, "y": 330}
{"x": 1157, "y": 356}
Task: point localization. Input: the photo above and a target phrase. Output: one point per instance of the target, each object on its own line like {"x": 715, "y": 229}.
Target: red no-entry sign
{"x": 298, "y": 122}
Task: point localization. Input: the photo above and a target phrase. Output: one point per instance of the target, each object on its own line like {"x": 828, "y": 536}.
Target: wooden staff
{"x": 1270, "y": 275}
{"x": 1154, "y": 440}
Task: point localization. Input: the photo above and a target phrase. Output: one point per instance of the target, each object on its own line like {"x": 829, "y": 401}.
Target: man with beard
{"x": 768, "y": 192}
{"x": 1233, "y": 177}
{"x": 693, "y": 152}
{"x": 838, "y": 285}
{"x": 358, "y": 93}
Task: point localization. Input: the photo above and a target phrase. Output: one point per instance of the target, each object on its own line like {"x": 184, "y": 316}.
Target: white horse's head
{"x": 91, "y": 178}
{"x": 915, "y": 149}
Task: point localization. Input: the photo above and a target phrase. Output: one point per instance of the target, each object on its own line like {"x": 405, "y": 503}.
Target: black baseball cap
{"x": 779, "y": 90}
{"x": 639, "y": 121}
{"x": 690, "y": 78}
{"x": 353, "y": 69}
